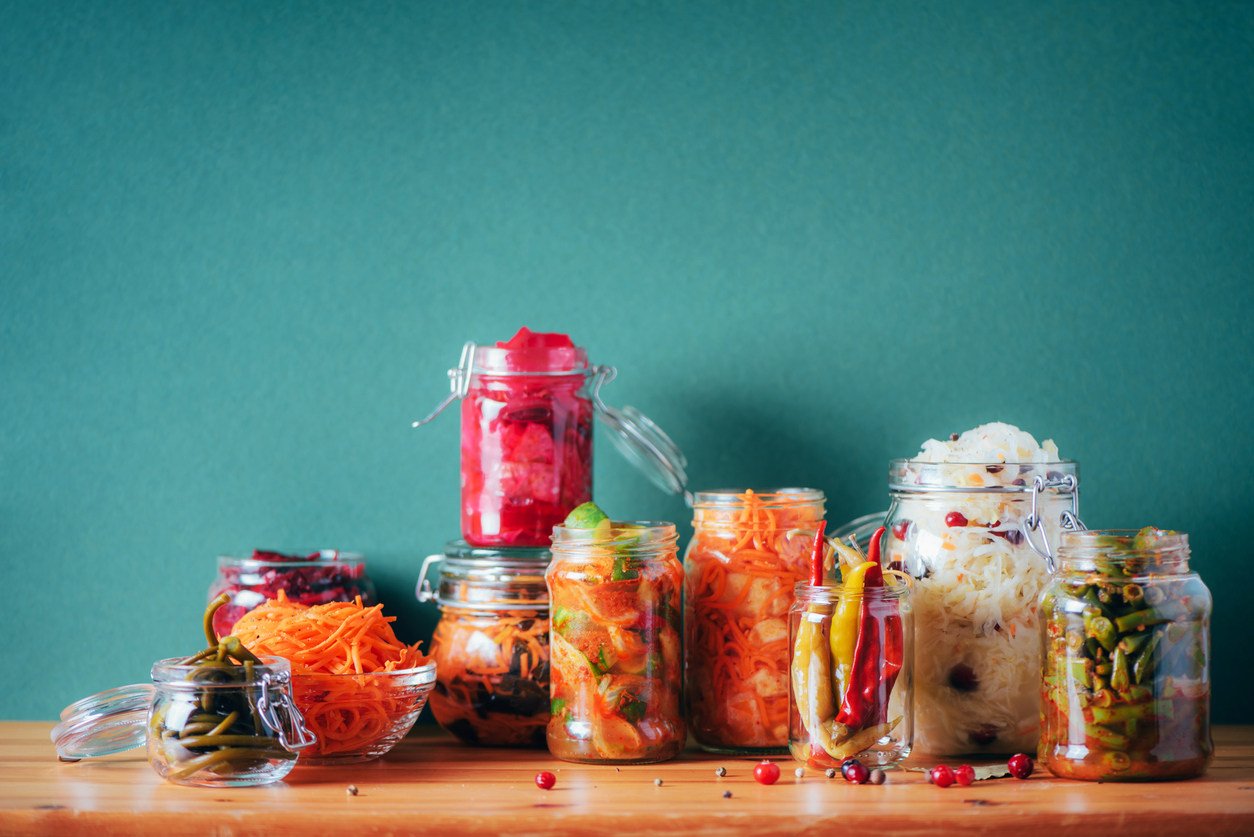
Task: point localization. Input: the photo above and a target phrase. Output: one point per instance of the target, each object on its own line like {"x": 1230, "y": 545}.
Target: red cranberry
{"x": 766, "y": 772}
{"x": 964, "y": 775}
{"x": 545, "y": 780}
{"x": 955, "y": 519}
{"x": 858, "y": 773}
{"x": 962, "y": 678}
{"x": 942, "y": 776}
{"x": 1020, "y": 766}
{"x": 900, "y": 529}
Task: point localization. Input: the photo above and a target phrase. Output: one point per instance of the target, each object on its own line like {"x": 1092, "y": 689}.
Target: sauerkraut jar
{"x": 615, "y": 595}
{"x": 526, "y": 437}
{"x": 964, "y": 530}
{"x": 748, "y": 551}
{"x": 1125, "y": 636}
{"x": 491, "y": 645}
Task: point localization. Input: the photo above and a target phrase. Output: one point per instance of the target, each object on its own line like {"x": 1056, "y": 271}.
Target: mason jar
{"x": 491, "y": 644}
{"x": 975, "y": 538}
{"x": 861, "y": 707}
{"x": 526, "y": 437}
{"x": 308, "y": 578}
{"x": 231, "y": 726}
{"x": 1125, "y": 647}
{"x": 616, "y": 677}
{"x": 748, "y": 551}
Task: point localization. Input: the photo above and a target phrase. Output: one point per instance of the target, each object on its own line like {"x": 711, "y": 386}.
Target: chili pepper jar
{"x": 212, "y": 727}
{"x": 851, "y": 677}
{"x": 975, "y": 539}
{"x": 491, "y": 645}
{"x": 747, "y": 553}
{"x": 318, "y": 577}
{"x": 526, "y": 437}
{"x": 1125, "y": 648}
{"x": 615, "y": 593}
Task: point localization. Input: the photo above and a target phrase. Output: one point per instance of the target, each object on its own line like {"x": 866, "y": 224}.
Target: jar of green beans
{"x": 1125, "y": 633}
{"x": 221, "y": 724}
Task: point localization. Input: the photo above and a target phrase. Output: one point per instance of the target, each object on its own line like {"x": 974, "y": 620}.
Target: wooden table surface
{"x": 432, "y": 785}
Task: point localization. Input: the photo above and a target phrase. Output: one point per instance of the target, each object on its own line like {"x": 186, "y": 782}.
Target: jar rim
{"x": 622, "y": 534}
{"x": 1121, "y": 544}
{"x": 917, "y": 475}
{"x": 173, "y": 672}
{"x": 561, "y": 360}
{"x": 808, "y": 593}
{"x": 326, "y": 558}
{"x": 775, "y": 497}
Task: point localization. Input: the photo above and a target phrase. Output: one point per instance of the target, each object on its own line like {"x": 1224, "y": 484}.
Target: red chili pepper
{"x": 816, "y": 556}
{"x": 878, "y": 654}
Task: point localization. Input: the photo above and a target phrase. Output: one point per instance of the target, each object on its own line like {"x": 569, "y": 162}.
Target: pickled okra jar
{"x": 1125, "y": 647}
{"x": 617, "y": 671}
{"x": 491, "y": 645}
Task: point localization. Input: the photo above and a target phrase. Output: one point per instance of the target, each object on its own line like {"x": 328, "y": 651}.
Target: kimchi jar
{"x": 615, "y": 682}
{"x": 748, "y": 552}
{"x": 491, "y": 645}
{"x": 526, "y": 439}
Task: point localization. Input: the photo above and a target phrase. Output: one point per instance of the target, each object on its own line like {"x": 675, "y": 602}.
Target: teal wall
{"x": 241, "y": 242}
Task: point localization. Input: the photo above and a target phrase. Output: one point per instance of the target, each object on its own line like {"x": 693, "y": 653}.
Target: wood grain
{"x": 432, "y": 785}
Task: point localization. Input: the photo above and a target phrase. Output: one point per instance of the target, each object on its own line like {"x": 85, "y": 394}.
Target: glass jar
{"x": 747, "y": 554}
{"x": 491, "y": 645}
{"x": 325, "y": 575}
{"x": 615, "y": 593}
{"x": 864, "y": 708}
{"x": 526, "y": 441}
{"x": 202, "y": 725}
{"x": 1125, "y": 645}
{"x": 965, "y": 532}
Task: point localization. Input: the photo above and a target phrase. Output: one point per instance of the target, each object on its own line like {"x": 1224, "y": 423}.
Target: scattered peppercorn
{"x": 657, "y": 782}
{"x": 727, "y": 794}
{"x": 878, "y": 777}
{"x": 1020, "y": 766}
{"x": 830, "y": 773}
{"x": 721, "y": 772}
{"x": 799, "y": 772}
{"x": 351, "y": 790}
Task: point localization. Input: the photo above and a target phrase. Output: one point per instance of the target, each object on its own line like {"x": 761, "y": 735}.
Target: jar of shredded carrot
{"x": 491, "y": 645}
{"x": 748, "y": 552}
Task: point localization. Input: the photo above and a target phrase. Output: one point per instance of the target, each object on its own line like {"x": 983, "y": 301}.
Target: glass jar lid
{"x": 473, "y": 577}
{"x": 110, "y": 722}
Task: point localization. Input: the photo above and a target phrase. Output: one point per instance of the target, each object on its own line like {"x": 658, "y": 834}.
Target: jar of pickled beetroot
{"x": 852, "y": 689}
{"x": 747, "y": 554}
{"x": 326, "y": 575}
{"x": 615, "y": 595}
{"x": 1125, "y": 648}
{"x": 526, "y": 438}
{"x": 491, "y": 645}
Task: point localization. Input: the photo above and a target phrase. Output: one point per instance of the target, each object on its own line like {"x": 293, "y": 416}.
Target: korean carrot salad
{"x": 615, "y": 590}
{"x": 748, "y": 552}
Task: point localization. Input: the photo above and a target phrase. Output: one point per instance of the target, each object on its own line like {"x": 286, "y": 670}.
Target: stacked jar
{"x": 491, "y": 645}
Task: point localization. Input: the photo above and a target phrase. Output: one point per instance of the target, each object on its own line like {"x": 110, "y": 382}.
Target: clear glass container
{"x": 965, "y": 533}
{"x": 615, "y": 685}
{"x": 491, "y": 645}
{"x": 863, "y": 708}
{"x": 204, "y": 725}
{"x": 1125, "y": 646}
{"x": 318, "y": 577}
{"x": 747, "y": 554}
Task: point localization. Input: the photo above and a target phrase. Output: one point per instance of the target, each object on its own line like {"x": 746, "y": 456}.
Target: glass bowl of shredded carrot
{"x": 358, "y": 686}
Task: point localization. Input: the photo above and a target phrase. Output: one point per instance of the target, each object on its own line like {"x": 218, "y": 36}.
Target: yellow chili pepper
{"x": 845, "y": 626}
